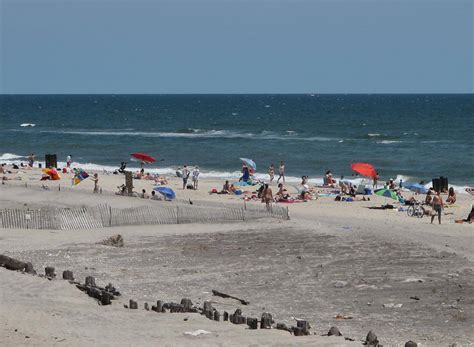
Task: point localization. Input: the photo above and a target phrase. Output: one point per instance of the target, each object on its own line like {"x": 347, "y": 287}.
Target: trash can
{"x": 436, "y": 184}
{"x": 51, "y": 160}
{"x": 444, "y": 184}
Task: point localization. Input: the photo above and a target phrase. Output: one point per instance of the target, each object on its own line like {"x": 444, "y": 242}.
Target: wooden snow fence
{"x": 106, "y": 216}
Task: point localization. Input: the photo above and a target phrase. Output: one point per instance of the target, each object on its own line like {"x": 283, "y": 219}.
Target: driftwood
{"x": 226, "y": 316}
{"x": 371, "y": 339}
{"x": 208, "y": 310}
{"x": 103, "y": 295}
{"x": 266, "y": 321}
{"x": 304, "y": 325}
{"x": 49, "y": 272}
{"x": 68, "y": 275}
{"x": 237, "y": 317}
{"x": 282, "y": 326}
{"x": 15, "y": 265}
{"x": 411, "y": 344}
{"x": 133, "y": 305}
{"x": 333, "y": 331}
{"x": 223, "y": 295}
{"x": 252, "y": 323}
{"x": 114, "y": 241}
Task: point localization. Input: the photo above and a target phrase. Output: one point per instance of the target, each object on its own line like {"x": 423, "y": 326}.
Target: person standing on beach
{"x": 267, "y": 195}
{"x": 95, "y": 179}
{"x": 68, "y": 161}
{"x": 185, "y": 176}
{"x": 196, "y": 177}
{"x": 375, "y": 179}
{"x": 281, "y": 171}
{"x": 437, "y": 207}
{"x": 271, "y": 172}
{"x": 31, "y": 160}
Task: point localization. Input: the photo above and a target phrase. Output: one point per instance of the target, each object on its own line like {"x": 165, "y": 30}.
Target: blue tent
{"x": 417, "y": 188}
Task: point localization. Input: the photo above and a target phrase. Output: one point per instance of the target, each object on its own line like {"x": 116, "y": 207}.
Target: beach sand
{"x": 331, "y": 258}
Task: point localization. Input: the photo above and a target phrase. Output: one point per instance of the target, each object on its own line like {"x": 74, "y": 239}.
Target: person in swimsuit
{"x": 185, "y": 176}
{"x": 375, "y": 180}
{"x": 437, "y": 207}
{"x": 95, "y": 179}
{"x": 267, "y": 196}
{"x": 451, "y": 196}
{"x": 196, "y": 177}
{"x": 271, "y": 172}
{"x": 281, "y": 171}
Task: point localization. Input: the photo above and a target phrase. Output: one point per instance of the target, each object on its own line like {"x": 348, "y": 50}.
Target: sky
{"x": 281, "y": 46}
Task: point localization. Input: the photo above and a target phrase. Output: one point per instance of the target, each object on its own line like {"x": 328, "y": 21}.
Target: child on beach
{"x": 68, "y": 161}
{"x": 196, "y": 177}
{"x": 271, "y": 172}
{"x": 95, "y": 179}
{"x": 281, "y": 171}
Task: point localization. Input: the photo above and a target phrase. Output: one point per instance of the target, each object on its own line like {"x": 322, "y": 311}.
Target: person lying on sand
{"x": 161, "y": 180}
{"x": 155, "y": 196}
{"x": 469, "y": 219}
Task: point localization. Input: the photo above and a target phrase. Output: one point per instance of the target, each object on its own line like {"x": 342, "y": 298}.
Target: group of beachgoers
{"x": 185, "y": 173}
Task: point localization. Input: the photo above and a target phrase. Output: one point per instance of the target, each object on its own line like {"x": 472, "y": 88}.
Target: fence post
{"x": 177, "y": 214}
{"x": 287, "y": 213}
{"x": 110, "y": 216}
{"x": 243, "y": 214}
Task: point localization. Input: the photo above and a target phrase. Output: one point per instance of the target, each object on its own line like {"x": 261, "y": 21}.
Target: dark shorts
{"x": 437, "y": 208}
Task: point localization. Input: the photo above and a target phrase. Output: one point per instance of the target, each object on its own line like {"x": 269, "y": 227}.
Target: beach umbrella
{"x": 364, "y": 169}
{"x": 79, "y": 176}
{"x": 417, "y": 188}
{"x": 386, "y": 193}
{"x": 167, "y": 192}
{"x": 143, "y": 157}
{"x": 53, "y": 174}
{"x": 250, "y": 163}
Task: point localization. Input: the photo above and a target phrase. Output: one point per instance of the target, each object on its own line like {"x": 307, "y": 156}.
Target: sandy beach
{"x": 333, "y": 264}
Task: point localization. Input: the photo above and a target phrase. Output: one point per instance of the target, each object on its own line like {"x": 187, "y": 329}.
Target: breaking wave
{"x": 198, "y": 133}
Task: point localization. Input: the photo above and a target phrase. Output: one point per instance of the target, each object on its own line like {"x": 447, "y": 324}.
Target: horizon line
{"x": 305, "y": 93}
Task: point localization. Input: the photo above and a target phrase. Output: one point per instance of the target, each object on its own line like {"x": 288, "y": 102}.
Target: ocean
{"x": 409, "y": 137}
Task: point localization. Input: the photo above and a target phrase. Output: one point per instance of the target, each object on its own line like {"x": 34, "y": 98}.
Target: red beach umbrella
{"x": 364, "y": 169}
{"x": 144, "y": 157}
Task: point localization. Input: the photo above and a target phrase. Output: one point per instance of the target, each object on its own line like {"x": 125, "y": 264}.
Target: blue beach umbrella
{"x": 250, "y": 163}
{"x": 167, "y": 192}
{"x": 417, "y": 188}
